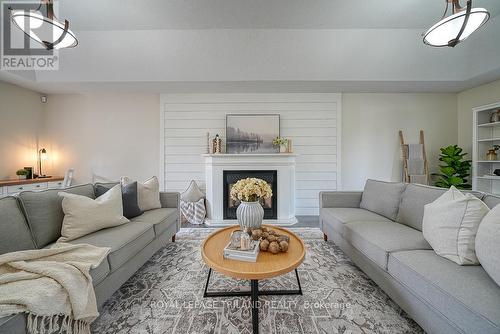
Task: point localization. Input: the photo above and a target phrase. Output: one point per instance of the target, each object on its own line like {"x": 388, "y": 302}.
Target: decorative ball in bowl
{"x": 270, "y": 240}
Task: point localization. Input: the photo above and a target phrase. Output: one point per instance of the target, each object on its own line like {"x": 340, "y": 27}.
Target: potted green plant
{"x": 454, "y": 169}
{"x": 282, "y": 143}
{"x": 21, "y": 174}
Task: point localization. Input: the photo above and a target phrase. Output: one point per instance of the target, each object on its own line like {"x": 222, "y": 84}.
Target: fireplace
{"x": 230, "y": 177}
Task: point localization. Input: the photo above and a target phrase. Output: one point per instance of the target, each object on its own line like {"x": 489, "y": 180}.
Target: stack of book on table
{"x": 235, "y": 253}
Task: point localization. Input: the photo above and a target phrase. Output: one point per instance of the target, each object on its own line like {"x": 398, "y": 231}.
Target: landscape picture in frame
{"x": 252, "y": 134}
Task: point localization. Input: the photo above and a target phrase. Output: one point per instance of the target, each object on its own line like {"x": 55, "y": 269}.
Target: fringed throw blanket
{"x": 53, "y": 286}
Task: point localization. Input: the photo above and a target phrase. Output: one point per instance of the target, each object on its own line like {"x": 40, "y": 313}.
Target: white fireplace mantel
{"x": 283, "y": 163}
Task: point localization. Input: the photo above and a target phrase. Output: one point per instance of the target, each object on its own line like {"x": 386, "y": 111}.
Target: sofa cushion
{"x": 15, "y": 234}
{"x": 491, "y": 200}
{"x": 376, "y": 240}
{"x": 488, "y": 243}
{"x": 465, "y": 295}
{"x": 161, "y": 219}
{"x": 44, "y": 212}
{"x": 125, "y": 241}
{"x": 413, "y": 201}
{"x": 99, "y": 273}
{"x": 337, "y": 217}
{"x": 382, "y": 197}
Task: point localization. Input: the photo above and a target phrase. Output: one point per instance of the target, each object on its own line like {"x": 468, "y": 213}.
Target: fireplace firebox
{"x": 230, "y": 177}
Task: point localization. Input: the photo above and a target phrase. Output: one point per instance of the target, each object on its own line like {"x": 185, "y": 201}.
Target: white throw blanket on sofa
{"x": 53, "y": 286}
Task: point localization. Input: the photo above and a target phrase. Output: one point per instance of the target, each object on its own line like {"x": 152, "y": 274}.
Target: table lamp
{"x": 42, "y": 155}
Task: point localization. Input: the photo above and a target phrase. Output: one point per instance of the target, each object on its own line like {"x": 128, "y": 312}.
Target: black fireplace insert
{"x": 230, "y": 177}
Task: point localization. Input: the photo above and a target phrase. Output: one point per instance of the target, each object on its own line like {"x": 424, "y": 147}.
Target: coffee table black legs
{"x": 254, "y": 294}
{"x": 254, "y": 284}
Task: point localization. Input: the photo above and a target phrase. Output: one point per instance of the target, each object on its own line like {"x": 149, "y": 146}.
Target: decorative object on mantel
{"x": 250, "y": 191}
{"x": 492, "y": 155}
{"x": 289, "y": 146}
{"x": 217, "y": 145}
{"x": 496, "y": 172}
{"x": 495, "y": 116}
{"x": 270, "y": 240}
{"x": 252, "y": 134}
{"x": 282, "y": 143}
{"x": 455, "y": 28}
{"x": 193, "y": 204}
{"x": 22, "y": 174}
{"x": 208, "y": 143}
{"x": 455, "y": 170}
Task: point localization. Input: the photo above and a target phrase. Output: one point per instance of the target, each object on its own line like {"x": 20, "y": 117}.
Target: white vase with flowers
{"x": 250, "y": 192}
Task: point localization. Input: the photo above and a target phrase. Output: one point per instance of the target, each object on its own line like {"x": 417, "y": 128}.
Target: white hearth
{"x": 216, "y": 164}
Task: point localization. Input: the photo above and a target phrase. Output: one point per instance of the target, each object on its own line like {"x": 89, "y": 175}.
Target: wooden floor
{"x": 304, "y": 221}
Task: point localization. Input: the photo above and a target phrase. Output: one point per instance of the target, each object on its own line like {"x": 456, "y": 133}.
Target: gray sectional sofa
{"x": 33, "y": 220}
{"x": 380, "y": 230}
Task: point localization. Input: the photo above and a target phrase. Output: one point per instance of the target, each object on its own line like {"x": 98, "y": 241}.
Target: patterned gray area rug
{"x": 166, "y": 296}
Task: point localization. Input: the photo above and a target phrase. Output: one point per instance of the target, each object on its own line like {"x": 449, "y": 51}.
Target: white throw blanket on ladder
{"x": 53, "y": 286}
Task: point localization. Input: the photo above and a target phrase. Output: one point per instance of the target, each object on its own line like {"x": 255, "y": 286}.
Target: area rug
{"x": 166, "y": 296}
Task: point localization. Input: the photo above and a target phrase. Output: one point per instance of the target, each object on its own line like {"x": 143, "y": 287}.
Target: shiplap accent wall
{"x": 312, "y": 121}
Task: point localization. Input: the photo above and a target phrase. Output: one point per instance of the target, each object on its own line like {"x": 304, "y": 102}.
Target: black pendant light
{"x": 460, "y": 24}
{"x": 43, "y": 26}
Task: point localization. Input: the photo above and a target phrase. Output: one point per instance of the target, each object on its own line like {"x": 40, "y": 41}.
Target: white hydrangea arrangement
{"x": 250, "y": 190}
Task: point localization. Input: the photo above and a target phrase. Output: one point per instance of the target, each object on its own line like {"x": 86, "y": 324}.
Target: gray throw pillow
{"x": 129, "y": 198}
{"x": 382, "y": 197}
{"x": 488, "y": 243}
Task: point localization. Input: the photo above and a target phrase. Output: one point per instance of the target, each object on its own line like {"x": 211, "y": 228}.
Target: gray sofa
{"x": 33, "y": 220}
{"x": 380, "y": 230}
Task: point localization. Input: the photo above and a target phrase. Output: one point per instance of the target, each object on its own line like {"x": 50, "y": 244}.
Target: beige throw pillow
{"x": 450, "y": 225}
{"x": 148, "y": 193}
{"x": 193, "y": 193}
{"x": 84, "y": 215}
{"x": 488, "y": 243}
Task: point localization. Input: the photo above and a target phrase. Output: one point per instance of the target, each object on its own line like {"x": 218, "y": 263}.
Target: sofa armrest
{"x": 170, "y": 200}
{"x": 340, "y": 199}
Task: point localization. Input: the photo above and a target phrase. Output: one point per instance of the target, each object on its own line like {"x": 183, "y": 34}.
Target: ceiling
{"x": 264, "y": 45}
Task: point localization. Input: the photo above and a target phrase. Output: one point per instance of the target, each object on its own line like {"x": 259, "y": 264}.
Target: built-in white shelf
{"x": 488, "y": 140}
{"x": 488, "y": 125}
{"x": 489, "y": 177}
{"x": 486, "y": 134}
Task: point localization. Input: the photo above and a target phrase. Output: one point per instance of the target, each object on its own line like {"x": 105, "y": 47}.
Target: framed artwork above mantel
{"x": 252, "y": 133}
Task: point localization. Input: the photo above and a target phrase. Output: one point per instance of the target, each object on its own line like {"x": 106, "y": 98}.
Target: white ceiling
{"x": 264, "y": 45}
{"x": 256, "y": 14}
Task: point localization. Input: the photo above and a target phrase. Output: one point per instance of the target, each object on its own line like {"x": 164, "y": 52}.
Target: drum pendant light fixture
{"x": 455, "y": 28}
{"x": 42, "y": 26}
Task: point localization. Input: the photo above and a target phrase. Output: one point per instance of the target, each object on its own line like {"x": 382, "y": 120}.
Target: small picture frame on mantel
{"x": 252, "y": 133}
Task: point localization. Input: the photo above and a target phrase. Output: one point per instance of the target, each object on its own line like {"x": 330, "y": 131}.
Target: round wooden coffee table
{"x": 267, "y": 266}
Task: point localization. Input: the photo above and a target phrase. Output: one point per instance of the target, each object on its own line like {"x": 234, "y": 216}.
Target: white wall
{"x": 109, "y": 135}
{"x": 370, "y": 125}
{"x": 103, "y": 135}
{"x": 310, "y": 120}
{"x": 20, "y": 121}
{"x": 469, "y": 99}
